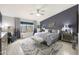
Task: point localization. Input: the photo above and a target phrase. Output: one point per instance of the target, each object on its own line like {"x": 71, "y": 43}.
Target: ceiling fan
{"x": 39, "y": 11}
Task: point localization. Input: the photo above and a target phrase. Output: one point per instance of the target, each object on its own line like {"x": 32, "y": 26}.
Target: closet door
{"x": 0, "y": 31}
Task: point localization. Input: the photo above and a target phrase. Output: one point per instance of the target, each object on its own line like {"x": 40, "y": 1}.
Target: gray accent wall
{"x": 68, "y": 16}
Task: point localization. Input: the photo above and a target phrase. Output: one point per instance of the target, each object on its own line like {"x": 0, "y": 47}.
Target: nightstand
{"x": 65, "y": 36}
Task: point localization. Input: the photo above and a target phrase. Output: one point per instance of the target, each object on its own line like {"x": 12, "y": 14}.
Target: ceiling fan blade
{"x": 41, "y": 13}
{"x": 31, "y": 13}
{"x": 38, "y": 10}
{"x": 43, "y": 6}
{"x": 42, "y": 10}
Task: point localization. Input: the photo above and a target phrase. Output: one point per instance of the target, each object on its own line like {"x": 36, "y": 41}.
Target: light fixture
{"x": 67, "y": 28}
{"x": 38, "y": 14}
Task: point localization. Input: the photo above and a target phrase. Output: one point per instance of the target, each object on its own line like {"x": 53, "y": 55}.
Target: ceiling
{"x": 24, "y": 10}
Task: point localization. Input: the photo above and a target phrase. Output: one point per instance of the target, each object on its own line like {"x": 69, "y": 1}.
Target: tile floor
{"x": 67, "y": 49}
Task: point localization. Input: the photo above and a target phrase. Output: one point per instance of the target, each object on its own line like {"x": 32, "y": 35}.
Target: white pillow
{"x": 37, "y": 39}
{"x": 42, "y": 35}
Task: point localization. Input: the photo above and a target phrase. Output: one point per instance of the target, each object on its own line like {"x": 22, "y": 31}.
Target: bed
{"x": 33, "y": 46}
{"x": 42, "y": 43}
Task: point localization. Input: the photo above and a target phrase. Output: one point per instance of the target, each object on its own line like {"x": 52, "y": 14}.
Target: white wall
{"x": 10, "y": 21}
{"x": 7, "y": 21}
{"x": 26, "y": 20}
